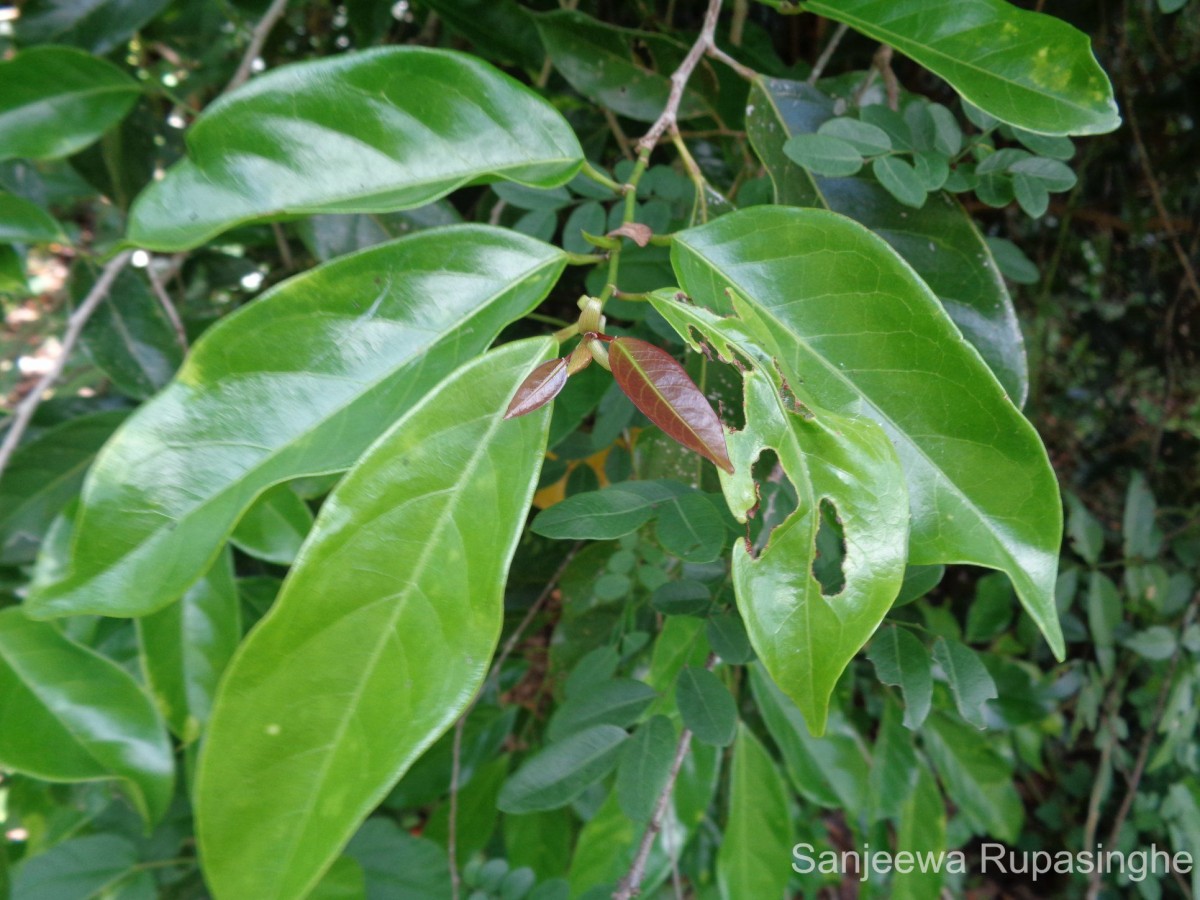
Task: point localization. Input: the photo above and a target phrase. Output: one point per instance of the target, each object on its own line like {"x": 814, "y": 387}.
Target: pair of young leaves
{"x": 650, "y": 377}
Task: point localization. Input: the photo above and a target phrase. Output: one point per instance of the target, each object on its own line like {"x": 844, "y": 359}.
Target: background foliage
{"x": 539, "y": 791}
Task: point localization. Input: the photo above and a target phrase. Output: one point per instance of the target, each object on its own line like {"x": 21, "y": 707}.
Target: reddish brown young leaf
{"x": 539, "y": 388}
{"x": 660, "y": 388}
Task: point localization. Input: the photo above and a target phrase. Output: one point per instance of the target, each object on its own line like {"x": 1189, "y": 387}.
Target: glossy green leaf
{"x": 95, "y": 25}
{"x": 645, "y": 767}
{"x": 752, "y": 859}
{"x": 661, "y": 388}
{"x": 617, "y": 701}
{"x": 24, "y": 222}
{"x": 706, "y": 706}
{"x": 824, "y": 154}
{"x": 501, "y": 30}
{"x": 321, "y": 711}
{"x": 804, "y": 635}
{"x": 560, "y": 772}
{"x": 940, "y": 240}
{"x": 43, "y": 476}
{"x": 1025, "y": 68}
{"x": 902, "y": 660}
{"x": 354, "y": 134}
{"x": 865, "y": 339}
{"x": 832, "y": 770}
{"x": 275, "y": 526}
{"x": 867, "y": 139}
{"x": 977, "y": 779}
{"x": 298, "y": 382}
{"x": 71, "y": 714}
{"x": 129, "y": 335}
{"x": 56, "y": 100}
{"x": 186, "y": 646}
{"x": 12, "y": 272}
{"x": 969, "y": 679}
{"x": 600, "y": 61}
{"x": 93, "y": 866}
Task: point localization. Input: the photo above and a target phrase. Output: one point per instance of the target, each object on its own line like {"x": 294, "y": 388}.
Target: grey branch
{"x": 257, "y": 39}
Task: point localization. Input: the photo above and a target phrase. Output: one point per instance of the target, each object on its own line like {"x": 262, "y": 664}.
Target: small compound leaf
{"x": 970, "y": 681}
{"x": 824, "y": 154}
{"x": 562, "y": 771}
{"x": 645, "y": 766}
{"x": 542, "y": 386}
{"x": 617, "y": 701}
{"x": 706, "y": 706}
{"x": 71, "y": 714}
{"x": 90, "y": 867}
{"x": 335, "y": 135}
{"x": 361, "y": 665}
{"x": 756, "y": 835}
{"x": 57, "y": 100}
{"x": 900, "y": 180}
{"x": 660, "y": 387}
{"x": 867, "y": 139}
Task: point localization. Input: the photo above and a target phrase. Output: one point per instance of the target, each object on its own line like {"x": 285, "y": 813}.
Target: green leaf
{"x": 24, "y": 222}
{"x": 129, "y": 335}
{"x": 970, "y": 681}
{"x": 186, "y": 646}
{"x": 338, "y": 135}
{"x": 1085, "y": 532}
{"x": 977, "y": 779}
{"x": 859, "y": 338}
{"x": 55, "y": 101}
{"x": 320, "y": 712}
{"x": 692, "y": 528}
{"x": 619, "y": 701}
{"x": 606, "y": 847}
{"x": 329, "y": 236}
{"x": 940, "y": 240}
{"x": 893, "y": 765}
{"x": 947, "y": 138}
{"x": 476, "y": 814}
{"x": 1155, "y": 643}
{"x": 94, "y": 866}
{"x": 1012, "y": 261}
{"x": 757, "y": 833}
{"x": 274, "y": 527}
{"x": 1056, "y": 176}
{"x": 560, "y": 772}
{"x": 901, "y": 659}
{"x": 43, "y": 476}
{"x": 1031, "y": 194}
{"x": 921, "y": 830}
{"x": 606, "y": 514}
{"x": 299, "y": 382}
{"x": 900, "y": 180}
{"x": 344, "y": 880}
{"x": 662, "y": 390}
{"x": 645, "y": 767}
{"x": 1025, "y": 68}
{"x": 396, "y": 864}
{"x": 823, "y": 154}
{"x": 71, "y": 714}
{"x": 869, "y": 140}
{"x": 540, "y": 841}
{"x": 600, "y": 62}
{"x": 681, "y": 598}
{"x": 94, "y": 25}
{"x": 706, "y": 706}
{"x": 1104, "y": 614}
{"x": 1170, "y": 6}
{"x": 832, "y": 770}
{"x": 499, "y": 29}
{"x": 1143, "y": 538}
{"x": 728, "y": 638}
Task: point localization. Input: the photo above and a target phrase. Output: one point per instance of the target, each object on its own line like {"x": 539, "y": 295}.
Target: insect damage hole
{"x": 829, "y": 551}
{"x": 777, "y": 499}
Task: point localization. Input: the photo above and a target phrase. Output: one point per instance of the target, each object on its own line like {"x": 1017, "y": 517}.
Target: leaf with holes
{"x": 864, "y": 339}
{"x": 539, "y": 388}
{"x": 354, "y": 133}
{"x": 660, "y": 387}
{"x": 321, "y": 710}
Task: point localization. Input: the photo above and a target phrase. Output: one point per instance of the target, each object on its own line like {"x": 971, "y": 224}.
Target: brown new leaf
{"x": 539, "y": 388}
{"x": 660, "y": 387}
{"x": 637, "y": 232}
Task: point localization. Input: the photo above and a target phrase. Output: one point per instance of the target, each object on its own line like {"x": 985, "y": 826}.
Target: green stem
{"x": 630, "y": 189}
{"x": 600, "y": 178}
{"x": 584, "y": 259}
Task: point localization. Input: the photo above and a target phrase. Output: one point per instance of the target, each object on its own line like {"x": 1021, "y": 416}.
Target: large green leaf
{"x": 55, "y": 100}
{"x": 24, "y": 222}
{"x": 368, "y": 132}
{"x": 43, "y": 476}
{"x": 95, "y": 25}
{"x": 939, "y": 240}
{"x": 381, "y": 634}
{"x": 847, "y": 320}
{"x": 299, "y": 382}
{"x": 1025, "y": 68}
{"x": 756, "y": 846}
{"x": 91, "y": 867}
{"x": 71, "y": 714}
{"x": 186, "y": 646}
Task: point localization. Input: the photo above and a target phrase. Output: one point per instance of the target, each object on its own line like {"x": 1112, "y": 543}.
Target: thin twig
{"x": 680, "y": 77}
{"x": 281, "y": 244}
{"x": 23, "y": 414}
{"x": 258, "y": 38}
{"x": 618, "y": 132}
{"x": 715, "y": 52}
{"x": 826, "y": 54}
{"x": 157, "y": 284}
{"x": 452, "y": 836}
